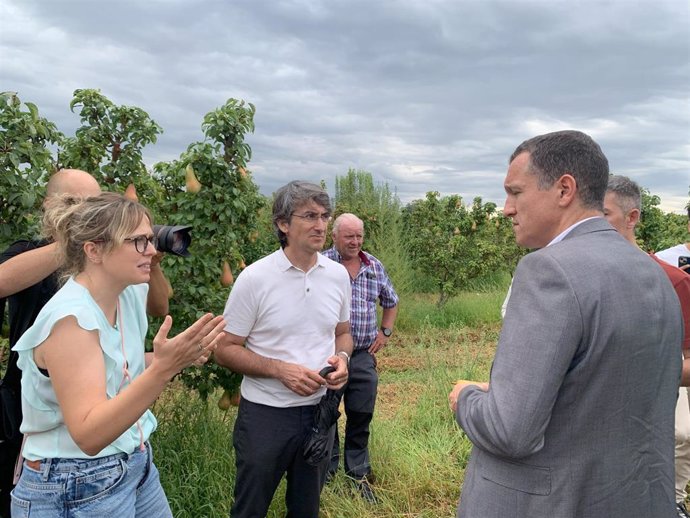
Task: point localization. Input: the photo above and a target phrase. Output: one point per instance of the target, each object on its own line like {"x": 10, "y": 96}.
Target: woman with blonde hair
{"x": 86, "y": 386}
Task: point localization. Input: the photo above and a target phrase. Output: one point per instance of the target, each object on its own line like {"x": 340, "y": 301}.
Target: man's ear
{"x": 567, "y": 187}
{"x": 283, "y": 226}
{"x": 93, "y": 252}
{"x": 633, "y": 218}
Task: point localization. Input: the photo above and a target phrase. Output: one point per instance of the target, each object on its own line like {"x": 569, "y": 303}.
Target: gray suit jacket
{"x": 579, "y": 418}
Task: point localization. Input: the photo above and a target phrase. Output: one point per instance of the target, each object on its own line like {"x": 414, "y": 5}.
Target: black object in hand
{"x": 326, "y": 371}
{"x": 319, "y": 442}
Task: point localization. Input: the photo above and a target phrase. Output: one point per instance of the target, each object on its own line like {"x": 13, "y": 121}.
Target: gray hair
{"x": 292, "y": 196}
{"x": 346, "y": 216}
{"x": 627, "y": 192}
{"x": 568, "y": 152}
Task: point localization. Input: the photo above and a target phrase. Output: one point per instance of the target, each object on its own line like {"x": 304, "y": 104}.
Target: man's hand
{"x": 378, "y": 344}
{"x": 337, "y": 379}
{"x": 459, "y": 385}
{"x": 299, "y": 379}
{"x": 157, "y": 258}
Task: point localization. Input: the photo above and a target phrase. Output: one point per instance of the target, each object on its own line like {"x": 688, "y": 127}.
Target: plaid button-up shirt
{"x": 371, "y": 283}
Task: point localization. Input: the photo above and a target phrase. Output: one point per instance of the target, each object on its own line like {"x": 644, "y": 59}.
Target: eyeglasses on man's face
{"x": 141, "y": 242}
{"x": 313, "y": 217}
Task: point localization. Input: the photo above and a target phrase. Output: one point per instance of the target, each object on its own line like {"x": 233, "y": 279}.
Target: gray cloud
{"x": 427, "y": 95}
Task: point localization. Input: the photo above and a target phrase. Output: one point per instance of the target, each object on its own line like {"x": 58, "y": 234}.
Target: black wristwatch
{"x": 387, "y": 331}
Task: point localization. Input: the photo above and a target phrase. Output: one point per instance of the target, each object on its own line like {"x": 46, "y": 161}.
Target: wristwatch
{"x": 387, "y": 331}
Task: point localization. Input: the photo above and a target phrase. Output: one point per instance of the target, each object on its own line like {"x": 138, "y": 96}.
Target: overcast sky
{"x": 424, "y": 94}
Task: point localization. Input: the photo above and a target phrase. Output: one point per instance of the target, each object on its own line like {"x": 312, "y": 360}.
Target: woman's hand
{"x": 193, "y": 346}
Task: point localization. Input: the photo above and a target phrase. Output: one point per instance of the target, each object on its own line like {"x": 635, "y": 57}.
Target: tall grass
{"x": 193, "y": 451}
{"x": 418, "y": 453}
{"x": 466, "y": 309}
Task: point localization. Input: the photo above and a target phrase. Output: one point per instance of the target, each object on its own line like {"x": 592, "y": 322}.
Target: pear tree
{"x": 211, "y": 188}
{"x": 452, "y": 243}
{"x": 26, "y": 161}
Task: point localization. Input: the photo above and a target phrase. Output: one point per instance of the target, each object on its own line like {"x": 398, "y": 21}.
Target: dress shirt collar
{"x": 560, "y": 237}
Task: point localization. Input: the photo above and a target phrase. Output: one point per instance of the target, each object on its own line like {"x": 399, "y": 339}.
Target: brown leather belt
{"x": 34, "y": 464}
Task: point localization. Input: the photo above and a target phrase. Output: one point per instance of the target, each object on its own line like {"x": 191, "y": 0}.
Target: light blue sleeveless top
{"x": 43, "y": 423}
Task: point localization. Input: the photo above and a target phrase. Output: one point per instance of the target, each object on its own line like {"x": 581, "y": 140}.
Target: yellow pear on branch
{"x": 131, "y": 192}
{"x": 224, "y": 401}
{"x": 226, "y": 279}
{"x": 193, "y": 185}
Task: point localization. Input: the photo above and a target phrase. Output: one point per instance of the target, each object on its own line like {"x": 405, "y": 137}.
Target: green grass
{"x": 417, "y": 451}
{"x": 193, "y": 452}
{"x": 479, "y": 304}
{"x": 467, "y": 309}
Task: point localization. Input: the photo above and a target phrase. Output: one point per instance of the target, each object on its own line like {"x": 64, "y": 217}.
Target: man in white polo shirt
{"x": 288, "y": 317}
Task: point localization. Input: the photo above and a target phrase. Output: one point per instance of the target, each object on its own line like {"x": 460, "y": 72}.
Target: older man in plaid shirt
{"x": 369, "y": 283}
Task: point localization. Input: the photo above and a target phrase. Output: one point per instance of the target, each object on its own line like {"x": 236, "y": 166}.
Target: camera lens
{"x": 173, "y": 239}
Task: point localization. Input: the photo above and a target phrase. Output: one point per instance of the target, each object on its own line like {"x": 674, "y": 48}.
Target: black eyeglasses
{"x": 141, "y": 242}
{"x": 313, "y": 217}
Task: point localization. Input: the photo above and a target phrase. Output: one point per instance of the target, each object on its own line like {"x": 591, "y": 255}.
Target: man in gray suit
{"x": 577, "y": 419}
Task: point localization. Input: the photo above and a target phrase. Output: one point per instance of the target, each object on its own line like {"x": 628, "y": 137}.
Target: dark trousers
{"x": 268, "y": 443}
{"x": 360, "y": 397}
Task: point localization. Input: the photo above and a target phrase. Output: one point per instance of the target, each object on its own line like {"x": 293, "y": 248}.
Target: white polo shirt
{"x": 288, "y": 315}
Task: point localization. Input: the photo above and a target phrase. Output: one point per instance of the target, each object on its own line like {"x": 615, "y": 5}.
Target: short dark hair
{"x": 291, "y": 197}
{"x": 573, "y": 152}
{"x": 628, "y": 192}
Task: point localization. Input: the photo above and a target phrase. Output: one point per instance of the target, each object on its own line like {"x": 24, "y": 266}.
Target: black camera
{"x": 173, "y": 239}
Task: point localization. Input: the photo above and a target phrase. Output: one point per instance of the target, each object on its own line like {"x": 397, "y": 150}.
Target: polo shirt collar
{"x": 284, "y": 263}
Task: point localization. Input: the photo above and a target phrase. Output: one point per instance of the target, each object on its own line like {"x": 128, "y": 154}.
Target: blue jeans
{"x": 122, "y": 485}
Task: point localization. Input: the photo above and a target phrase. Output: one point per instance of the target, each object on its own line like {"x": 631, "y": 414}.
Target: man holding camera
{"x": 28, "y": 280}
{"x": 288, "y": 316}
